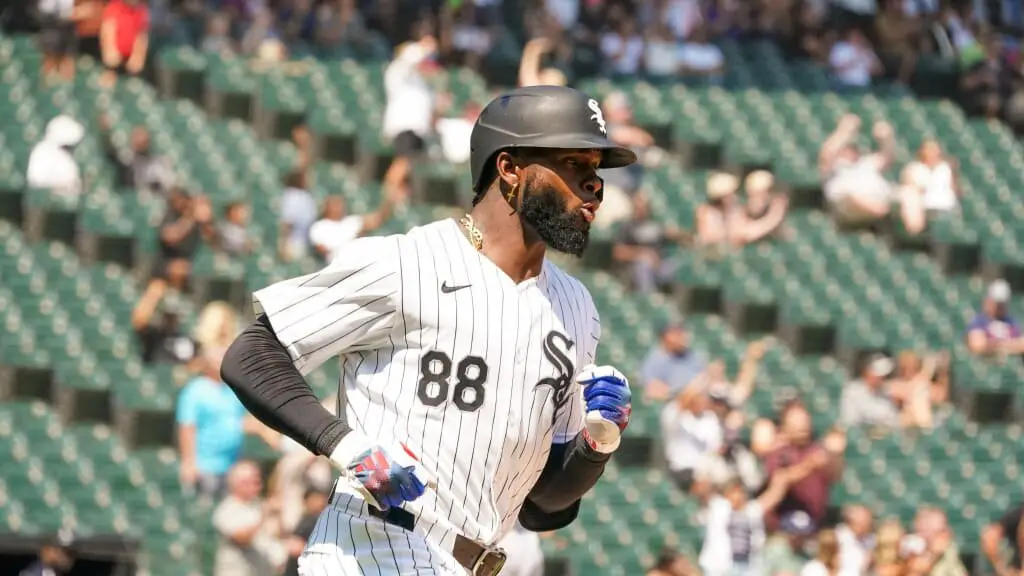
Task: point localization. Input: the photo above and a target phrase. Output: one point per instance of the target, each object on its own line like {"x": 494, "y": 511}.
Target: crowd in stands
{"x": 765, "y": 484}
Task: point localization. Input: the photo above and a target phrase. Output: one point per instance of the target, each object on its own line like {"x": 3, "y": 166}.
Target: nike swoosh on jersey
{"x": 449, "y": 289}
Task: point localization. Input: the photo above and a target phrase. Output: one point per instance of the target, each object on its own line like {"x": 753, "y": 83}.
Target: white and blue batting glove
{"x": 384, "y": 476}
{"x": 608, "y": 404}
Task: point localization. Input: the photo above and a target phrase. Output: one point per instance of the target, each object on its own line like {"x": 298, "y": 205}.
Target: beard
{"x": 546, "y": 213}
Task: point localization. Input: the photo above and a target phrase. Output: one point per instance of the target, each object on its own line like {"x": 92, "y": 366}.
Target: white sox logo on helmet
{"x": 597, "y": 116}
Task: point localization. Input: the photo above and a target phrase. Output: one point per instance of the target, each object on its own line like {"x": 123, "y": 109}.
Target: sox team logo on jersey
{"x": 444, "y": 353}
{"x": 597, "y": 116}
{"x": 556, "y": 348}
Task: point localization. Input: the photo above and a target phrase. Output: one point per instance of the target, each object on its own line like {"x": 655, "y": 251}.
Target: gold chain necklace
{"x": 475, "y": 235}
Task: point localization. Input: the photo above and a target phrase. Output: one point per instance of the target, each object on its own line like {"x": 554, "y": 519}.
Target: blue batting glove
{"x": 388, "y": 477}
{"x": 608, "y": 403}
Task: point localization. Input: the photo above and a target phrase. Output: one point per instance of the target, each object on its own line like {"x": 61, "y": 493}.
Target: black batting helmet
{"x": 541, "y": 117}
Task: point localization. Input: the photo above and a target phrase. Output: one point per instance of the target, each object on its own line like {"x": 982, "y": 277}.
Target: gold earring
{"x": 512, "y": 192}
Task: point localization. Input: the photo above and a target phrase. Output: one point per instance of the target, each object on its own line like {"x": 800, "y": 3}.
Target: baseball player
{"x": 469, "y": 396}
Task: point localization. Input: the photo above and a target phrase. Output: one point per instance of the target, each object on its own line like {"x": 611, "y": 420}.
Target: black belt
{"x": 479, "y": 559}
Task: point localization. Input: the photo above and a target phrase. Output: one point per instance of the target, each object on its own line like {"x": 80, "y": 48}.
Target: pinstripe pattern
{"x": 382, "y": 309}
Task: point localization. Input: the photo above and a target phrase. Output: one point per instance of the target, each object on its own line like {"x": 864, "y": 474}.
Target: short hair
{"x": 666, "y": 557}
{"x": 294, "y": 179}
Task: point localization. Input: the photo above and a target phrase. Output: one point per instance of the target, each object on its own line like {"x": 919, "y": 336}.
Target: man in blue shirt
{"x": 210, "y": 430}
{"x": 994, "y": 330}
{"x": 672, "y": 365}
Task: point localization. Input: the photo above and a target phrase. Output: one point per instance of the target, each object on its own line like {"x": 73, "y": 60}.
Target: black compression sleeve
{"x": 571, "y": 470}
{"x": 260, "y": 371}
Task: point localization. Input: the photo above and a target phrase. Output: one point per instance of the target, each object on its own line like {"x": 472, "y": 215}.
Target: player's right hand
{"x": 387, "y": 477}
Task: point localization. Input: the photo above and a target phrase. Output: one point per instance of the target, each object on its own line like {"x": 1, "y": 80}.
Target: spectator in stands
{"x": 622, "y": 45}
{"x": 341, "y": 25}
{"x": 785, "y": 551}
{"x": 156, "y": 317}
{"x": 764, "y": 209}
{"x": 411, "y": 106}
{"x": 245, "y": 548}
{"x": 828, "y": 561}
{"x": 216, "y": 328}
{"x": 467, "y": 34}
{"x": 738, "y": 390}
{"x": 854, "y": 184}
{"x": 531, "y": 73}
{"x": 672, "y": 563}
{"x": 856, "y": 538}
{"x": 210, "y": 429}
{"x": 918, "y": 385}
{"x": 89, "y": 20}
{"x": 690, "y": 432}
{"x": 620, "y": 184}
{"x": 886, "y": 559}
{"x": 940, "y": 555}
{"x": 233, "y": 230}
{"x": 723, "y": 222}
{"x": 336, "y": 229}
{"x": 297, "y": 22}
{"x": 217, "y": 39}
{"x": 994, "y": 331}
{"x": 124, "y": 38}
{"x": 187, "y": 222}
{"x": 853, "y": 61}
{"x": 810, "y": 492}
{"x": 313, "y": 503}
{"x": 56, "y": 558}
{"x": 51, "y": 165}
{"x": 672, "y": 365}
{"x": 57, "y": 38}
{"x": 931, "y": 185}
{"x": 900, "y": 37}
{"x": 868, "y": 400}
{"x": 718, "y": 218}
{"x": 735, "y": 528}
{"x": 700, "y": 58}
{"x": 138, "y": 167}
{"x": 661, "y": 52}
{"x": 263, "y": 30}
{"x": 298, "y": 213}
{"x": 642, "y": 245}
{"x": 989, "y": 81}
{"x": 1008, "y": 530}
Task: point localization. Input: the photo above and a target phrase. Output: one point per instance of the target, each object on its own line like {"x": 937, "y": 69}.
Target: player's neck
{"x": 516, "y": 251}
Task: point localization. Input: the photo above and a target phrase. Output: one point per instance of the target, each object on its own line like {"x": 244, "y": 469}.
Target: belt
{"x": 479, "y": 559}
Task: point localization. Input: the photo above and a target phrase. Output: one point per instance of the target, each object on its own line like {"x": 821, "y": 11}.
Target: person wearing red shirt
{"x": 124, "y": 37}
{"x": 811, "y": 493}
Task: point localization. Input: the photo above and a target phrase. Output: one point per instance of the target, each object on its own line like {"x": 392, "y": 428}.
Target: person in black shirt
{"x": 155, "y": 317}
{"x": 315, "y": 501}
{"x": 1010, "y": 529}
{"x": 186, "y": 223}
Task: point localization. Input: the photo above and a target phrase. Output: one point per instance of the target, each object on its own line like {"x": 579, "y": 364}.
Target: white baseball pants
{"x": 348, "y": 541}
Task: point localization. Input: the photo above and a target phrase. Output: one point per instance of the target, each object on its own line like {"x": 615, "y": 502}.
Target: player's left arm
{"x": 588, "y": 430}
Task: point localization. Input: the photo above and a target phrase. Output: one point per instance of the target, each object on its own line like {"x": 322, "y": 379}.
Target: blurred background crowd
{"x": 762, "y": 484}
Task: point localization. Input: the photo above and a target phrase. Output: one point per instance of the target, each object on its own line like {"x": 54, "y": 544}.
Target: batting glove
{"x": 385, "y": 477}
{"x": 608, "y": 401}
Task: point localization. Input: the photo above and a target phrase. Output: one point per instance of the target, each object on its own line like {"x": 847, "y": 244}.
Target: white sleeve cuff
{"x": 351, "y": 446}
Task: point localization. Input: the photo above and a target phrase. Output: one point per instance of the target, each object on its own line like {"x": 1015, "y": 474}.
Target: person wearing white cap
{"x": 866, "y": 401}
{"x": 717, "y": 218}
{"x": 764, "y": 210}
{"x": 51, "y": 165}
{"x": 994, "y": 330}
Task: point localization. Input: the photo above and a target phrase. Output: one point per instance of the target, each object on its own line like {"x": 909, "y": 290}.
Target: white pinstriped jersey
{"x": 441, "y": 350}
